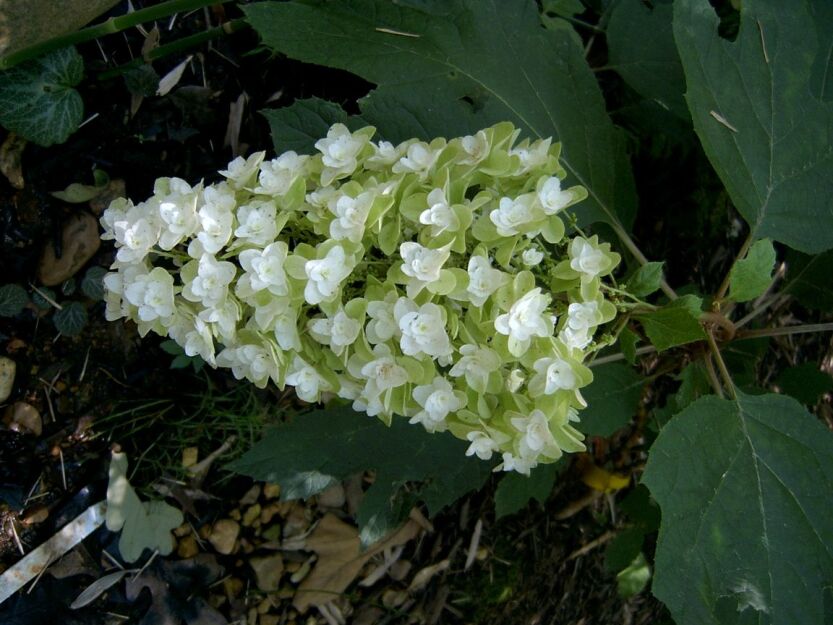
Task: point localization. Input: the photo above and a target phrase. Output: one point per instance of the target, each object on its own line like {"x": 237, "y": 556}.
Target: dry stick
{"x": 607, "y": 536}
{"x": 110, "y": 26}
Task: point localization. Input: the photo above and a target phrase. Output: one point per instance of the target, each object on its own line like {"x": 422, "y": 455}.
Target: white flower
{"x": 385, "y": 154}
{"x": 532, "y": 256}
{"x": 476, "y": 148}
{"x": 512, "y": 462}
{"x": 552, "y": 198}
{"x": 382, "y": 373}
{"x": 338, "y": 332}
{"x": 180, "y": 218}
{"x": 279, "y": 316}
{"x": 423, "y": 263}
{"x": 537, "y": 437}
{"x": 418, "y": 159}
{"x": 439, "y": 215}
{"x": 200, "y": 342}
{"x": 513, "y": 214}
{"x": 351, "y": 215}
{"x": 437, "y": 400}
{"x": 216, "y": 218}
{"x": 241, "y": 170}
{"x": 423, "y": 329}
{"x": 307, "y": 381}
{"x": 276, "y": 176}
{"x": 382, "y": 325}
{"x": 524, "y": 320}
{"x": 253, "y": 362}
{"x": 116, "y": 211}
{"x": 224, "y": 316}
{"x": 532, "y": 156}
{"x": 553, "y": 374}
{"x": 324, "y": 276}
{"x": 136, "y": 234}
{"x": 483, "y": 280}
{"x": 152, "y": 293}
{"x": 582, "y": 317}
{"x": 476, "y": 363}
{"x": 257, "y": 223}
{"x": 482, "y": 445}
{"x": 211, "y": 283}
{"x": 587, "y": 259}
{"x": 339, "y": 151}
{"x": 264, "y": 270}
{"x": 515, "y": 380}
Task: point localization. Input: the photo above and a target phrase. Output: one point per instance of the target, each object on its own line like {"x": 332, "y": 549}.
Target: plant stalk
{"x": 630, "y": 244}
{"x": 809, "y": 328}
{"x": 721, "y": 366}
{"x": 108, "y": 27}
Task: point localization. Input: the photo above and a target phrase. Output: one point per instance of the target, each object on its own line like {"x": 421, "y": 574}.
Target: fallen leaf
{"x": 24, "y": 418}
{"x": 235, "y": 119}
{"x": 98, "y": 588}
{"x": 172, "y": 78}
{"x": 268, "y": 571}
{"x": 340, "y": 559}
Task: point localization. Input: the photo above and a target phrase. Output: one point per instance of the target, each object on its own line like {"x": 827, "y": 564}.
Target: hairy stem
{"x": 721, "y": 365}
{"x": 713, "y": 379}
{"x": 110, "y": 26}
{"x": 640, "y": 351}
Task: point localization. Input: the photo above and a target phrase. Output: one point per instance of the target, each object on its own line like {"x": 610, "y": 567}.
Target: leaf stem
{"x": 640, "y": 351}
{"x": 724, "y": 286}
{"x": 108, "y": 27}
{"x": 715, "y": 382}
{"x": 630, "y": 244}
{"x": 721, "y": 365}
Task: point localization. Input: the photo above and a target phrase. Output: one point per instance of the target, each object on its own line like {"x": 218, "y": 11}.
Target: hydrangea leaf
{"x": 445, "y": 75}
{"x": 515, "y": 491}
{"x": 751, "y": 276}
{"x": 317, "y": 450}
{"x": 746, "y": 533}
{"x": 646, "y": 280}
{"x": 650, "y": 65}
{"x": 612, "y": 399}
{"x": 675, "y": 324}
{"x": 808, "y": 279}
{"x": 37, "y": 99}
{"x": 762, "y": 106}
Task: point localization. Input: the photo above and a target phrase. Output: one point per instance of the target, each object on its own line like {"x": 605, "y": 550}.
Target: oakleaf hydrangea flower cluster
{"x": 428, "y": 280}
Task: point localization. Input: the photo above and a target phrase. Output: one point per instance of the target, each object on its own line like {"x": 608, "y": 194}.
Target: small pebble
{"x": 268, "y": 571}
{"x": 252, "y": 513}
{"x": 271, "y": 491}
{"x": 24, "y": 418}
{"x": 187, "y": 547}
{"x": 79, "y": 243}
{"x": 7, "y": 373}
{"x": 224, "y": 535}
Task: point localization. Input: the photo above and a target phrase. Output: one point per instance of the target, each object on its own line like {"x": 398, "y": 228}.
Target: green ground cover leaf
{"x": 612, "y": 399}
{"x": 746, "y": 534}
{"x": 319, "y": 449}
{"x": 515, "y": 491}
{"x": 674, "y": 324}
{"x": 808, "y": 279}
{"x": 37, "y": 99}
{"x": 763, "y": 111}
{"x": 482, "y": 62}
{"x": 649, "y": 64}
{"x": 71, "y": 319}
{"x": 13, "y": 300}
{"x": 751, "y": 276}
{"x": 93, "y": 283}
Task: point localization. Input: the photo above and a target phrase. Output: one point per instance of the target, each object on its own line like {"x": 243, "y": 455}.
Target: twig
{"x": 601, "y": 540}
{"x": 112, "y": 25}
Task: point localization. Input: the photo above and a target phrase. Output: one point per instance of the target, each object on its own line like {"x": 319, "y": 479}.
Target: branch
{"x": 785, "y": 331}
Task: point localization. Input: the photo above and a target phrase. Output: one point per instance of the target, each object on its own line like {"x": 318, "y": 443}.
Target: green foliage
{"x": 612, "y": 399}
{"x": 319, "y": 449}
{"x": 751, "y": 276}
{"x": 515, "y": 491}
{"x": 760, "y": 105}
{"x": 37, "y": 99}
{"x": 13, "y": 300}
{"x": 92, "y": 284}
{"x": 646, "y": 279}
{"x": 634, "y": 578}
{"x": 674, "y": 324}
{"x": 743, "y": 486}
{"x": 298, "y": 126}
{"x": 805, "y": 382}
{"x": 649, "y": 64}
{"x": 445, "y": 75}
{"x": 70, "y": 319}
{"x": 808, "y": 279}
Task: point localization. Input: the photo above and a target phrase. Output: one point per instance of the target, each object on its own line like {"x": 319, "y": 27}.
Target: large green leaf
{"x": 808, "y": 279}
{"x": 763, "y": 109}
{"x": 319, "y": 449}
{"x": 651, "y": 64}
{"x": 674, "y": 324}
{"x": 751, "y": 275}
{"x": 746, "y": 534}
{"x": 612, "y": 399}
{"x": 298, "y": 126}
{"x": 449, "y": 74}
{"x": 37, "y": 99}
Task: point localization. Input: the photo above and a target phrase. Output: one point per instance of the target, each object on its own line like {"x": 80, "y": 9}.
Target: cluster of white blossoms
{"x": 428, "y": 280}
